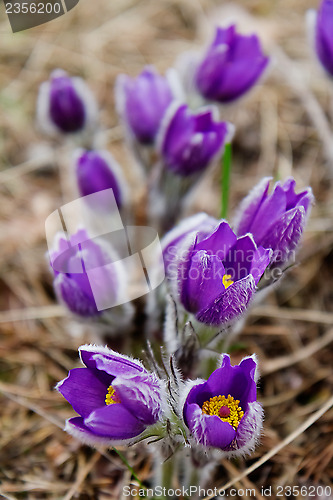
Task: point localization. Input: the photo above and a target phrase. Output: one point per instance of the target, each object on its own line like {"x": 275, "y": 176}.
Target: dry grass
{"x": 291, "y": 331}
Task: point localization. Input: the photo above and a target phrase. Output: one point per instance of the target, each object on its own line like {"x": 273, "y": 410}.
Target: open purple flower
{"x": 218, "y": 274}
{"x": 114, "y": 395}
{"x": 190, "y": 141}
{"x": 142, "y": 102}
{"x": 223, "y": 412}
{"x": 275, "y": 220}
{"x": 72, "y": 261}
{"x": 65, "y": 104}
{"x": 97, "y": 171}
{"x": 321, "y": 26}
{"x": 232, "y": 65}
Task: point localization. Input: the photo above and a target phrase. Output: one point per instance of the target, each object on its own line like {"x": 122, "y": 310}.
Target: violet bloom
{"x": 223, "y": 412}
{"x": 114, "y": 395}
{"x": 190, "y": 141}
{"x": 275, "y": 220}
{"x": 321, "y": 26}
{"x": 71, "y": 262}
{"x": 142, "y": 102}
{"x": 65, "y": 104}
{"x": 232, "y": 65}
{"x": 97, "y": 171}
{"x": 218, "y": 274}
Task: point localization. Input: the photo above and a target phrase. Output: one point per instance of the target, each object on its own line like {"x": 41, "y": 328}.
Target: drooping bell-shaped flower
{"x": 321, "y": 34}
{"x": 189, "y": 141}
{"x": 218, "y": 274}
{"x": 142, "y": 103}
{"x": 275, "y": 220}
{"x": 96, "y": 171}
{"x": 231, "y": 66}
{"x": 223, "y": 412}
{"x": 79, "y": 266}
{"x": 115, "y": 397}
{"x": 65, "y": 105}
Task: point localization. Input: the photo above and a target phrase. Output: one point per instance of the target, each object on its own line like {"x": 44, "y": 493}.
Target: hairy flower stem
{"x": 225, "y": 180}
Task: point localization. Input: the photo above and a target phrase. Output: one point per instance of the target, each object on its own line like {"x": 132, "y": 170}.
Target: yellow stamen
{"x": 226, "y": 280}
{"x": 214, "y": 405}
{"x": 111, "y": 397}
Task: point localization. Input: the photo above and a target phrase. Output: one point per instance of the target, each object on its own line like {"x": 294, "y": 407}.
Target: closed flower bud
{"x": 190, "y": 141}
{"x": 223, "y": 411}
{"x": 115, "y": 397}
{"x": 218, "y": 274}
{"x": 97, "y": 171}
{"x": 72, "y": 284}
{"x": 275, "y": 220}
{"x": 142, "y": 102}
{"x": 232, "y": 65}
{"x": 321, "y": 33}
{"x": 65, "y": 105}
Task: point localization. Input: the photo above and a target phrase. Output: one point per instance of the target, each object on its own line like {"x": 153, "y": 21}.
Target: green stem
{"x": 123, "y": 459}
{"x": 225, "y": 180}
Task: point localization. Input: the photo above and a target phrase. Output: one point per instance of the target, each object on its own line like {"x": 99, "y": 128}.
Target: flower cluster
{"x": 117, "y": 400}
{"x": 174, "y": 130}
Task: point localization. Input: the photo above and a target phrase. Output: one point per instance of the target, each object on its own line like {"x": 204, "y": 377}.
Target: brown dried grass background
{"x": 292, "y": 331}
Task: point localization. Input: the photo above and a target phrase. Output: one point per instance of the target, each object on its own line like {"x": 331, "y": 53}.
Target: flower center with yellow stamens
{"x": 111, "y": 397}
{"x": 227, "y": 409}
{"x": 226, "y": 280}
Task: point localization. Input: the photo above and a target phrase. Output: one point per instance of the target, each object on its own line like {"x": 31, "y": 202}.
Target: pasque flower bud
{"x": 142, "y": 102}
{"x": 65, "y": 104}
{"x": 275, "y": 220}
{"x": 96, "y": 171}
{"x": 232, "y": 65}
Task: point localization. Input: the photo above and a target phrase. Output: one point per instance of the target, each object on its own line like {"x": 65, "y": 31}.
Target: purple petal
{"x": 203, "y": 282}
{"x": 269, "y": 212}
{"x": 239, "y": 259}
{"x": 84, "y": 390}
{"x": 114, "y": 421}
{"x": 219, "y": 241}
{"x": 106, "y": 360}
{"x": 284, "y": 237}
{"x": 231, "y": 304}
{"x": 260, "y": 262}
{"x": 249, "y": 428}
{"x": 209, "y": 430}
{"x": 250, "y": 206}
{"x": 238, "y": 381}
{"x": 141, "y": 396}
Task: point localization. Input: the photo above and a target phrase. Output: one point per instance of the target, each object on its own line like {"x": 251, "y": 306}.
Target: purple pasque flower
{"x": 189, "y": 141}
{"x": 275, "y": 220}
{"x": 321, "y": 33}
{"x": 114, "y": 395}
{"x": 142, "y": 102}
{"x": 232, "y": 65}
{"x": 72, "y": 261}
{"x": 65, "y": 104}
{"x": 97, "y": 170}
{"x": 223, "y": 411}
{"x": 218, "y": 274}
